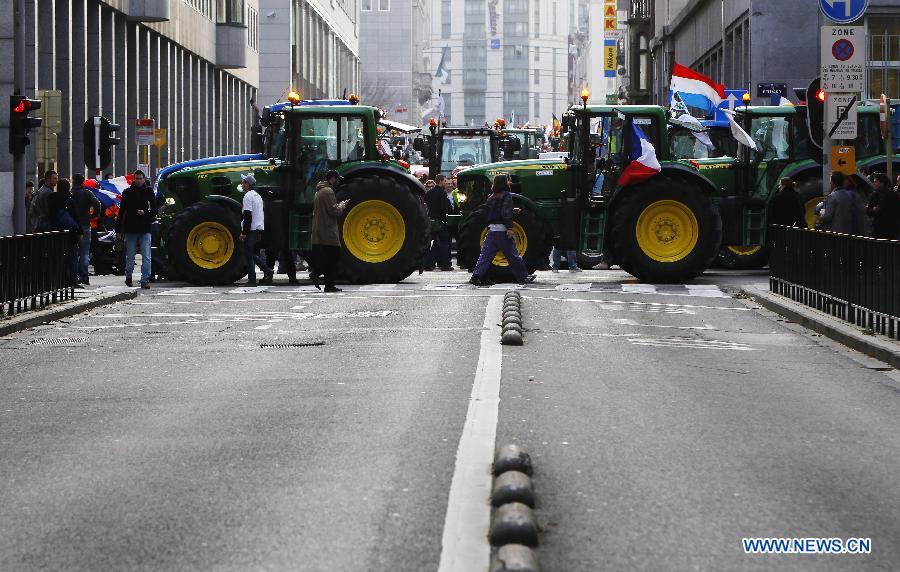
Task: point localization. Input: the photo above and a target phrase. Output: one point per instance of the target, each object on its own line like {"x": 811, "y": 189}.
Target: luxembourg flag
{"x": 644, "y": 163}
{"x": 695, "y": 90}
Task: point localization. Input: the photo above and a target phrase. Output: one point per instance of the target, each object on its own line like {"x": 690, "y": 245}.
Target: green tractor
{"x": 665, "y": 229}
{"x": 450, "y": 149}
{"x": 785, "y": 150}
{"x": 529, "y": 143}
{"x": 385, "y": 228}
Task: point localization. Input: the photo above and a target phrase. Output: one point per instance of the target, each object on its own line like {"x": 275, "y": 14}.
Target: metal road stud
{"x": 513, "y": 486}
{"x": 513, "y": 523}
{"x": 514, "y": 558}
{"x": 512, "y": 457}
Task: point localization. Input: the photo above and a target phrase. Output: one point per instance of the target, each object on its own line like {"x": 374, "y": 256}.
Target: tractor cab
{"x": 529, "y": 143}
{"x": 448, "y": 148}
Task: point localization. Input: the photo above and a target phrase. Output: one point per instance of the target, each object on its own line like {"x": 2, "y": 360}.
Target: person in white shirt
{"x": 251, "y": 231}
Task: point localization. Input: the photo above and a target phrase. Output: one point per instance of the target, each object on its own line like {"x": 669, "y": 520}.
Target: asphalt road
{"x": 666, "y": 425}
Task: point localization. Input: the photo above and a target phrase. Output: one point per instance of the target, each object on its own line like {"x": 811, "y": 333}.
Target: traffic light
{"x": 815, "y": 111}
{"x": 20, "y": 122}
{"x": 105, "y": 142}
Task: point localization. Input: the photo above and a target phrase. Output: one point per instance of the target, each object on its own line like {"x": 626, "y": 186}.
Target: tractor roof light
{"x": 293, "y": 97}
{"x": 746, "y": 98}
{"x": 353, "y": 99}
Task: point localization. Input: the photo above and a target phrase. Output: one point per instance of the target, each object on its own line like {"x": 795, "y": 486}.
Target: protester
{"x": 40, "y": 221}
{"x": 785, "y": 208}
{"x": 884, "y": 209}
{"x": 29, "y": 196}
{"x": 326, "y": 236}
{"x": 252, "y": 225}
{"x": 841, "y": 210}
{"x": 62, "y": 217}
{"x": 134, "y": 224}
{"x": 86, "y": 207}
{"x": 500, "y": 236}
{"x": 438, "y": 209}
{"x": 571, "y": 259}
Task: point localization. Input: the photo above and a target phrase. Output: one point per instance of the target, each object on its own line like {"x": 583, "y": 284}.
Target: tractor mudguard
{"x": 385, "y": 170}
{"x": 226, "y": 202}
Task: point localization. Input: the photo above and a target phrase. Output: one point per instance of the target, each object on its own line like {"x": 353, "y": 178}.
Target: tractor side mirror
{"x": 419, "y": 144}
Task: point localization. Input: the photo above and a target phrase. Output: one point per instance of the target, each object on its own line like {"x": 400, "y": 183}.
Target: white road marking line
{"x": 249, "y": 289}
{"x": 586, "y": 287}
{"x": 464, "y": 545}
{"x": 690, "y": 343}
{"x": 639, "y": 288}
{"x": 376, "y": 288}
{"x": 630, "y": 322}
{"x": 643, "y": 304}
{"x": 265, "y": 327}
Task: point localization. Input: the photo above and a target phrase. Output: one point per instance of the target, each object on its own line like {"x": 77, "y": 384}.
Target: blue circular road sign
{"x": 843, "y": 11}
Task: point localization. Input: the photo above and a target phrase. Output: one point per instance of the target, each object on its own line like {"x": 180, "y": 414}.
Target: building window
{"x": 519, "y": 75}
{"x": 252, "y": 28}
{"x": 884, "y": 57}
{"x": 515, "y": 52}
{"x": 537, "y": 105}
{"x": 515, "y": 28}
{"x": 474, "y": 8}
{"x": 366, "y": 6}
{"x": 555, "y": 18}
{"x": 231, "y": 11}
{"x": 384, "y": 5}
{"x": 643, "y": 62}
{"x": 445, "y": 19}
{"x": 516, "y": 6}
{"x": 474, "y": 30}
{"x": 537, "y": 19}
{"x": 537, "y": 53}
{"x": 537, "y": 77}
{"x": 516, "y": 98}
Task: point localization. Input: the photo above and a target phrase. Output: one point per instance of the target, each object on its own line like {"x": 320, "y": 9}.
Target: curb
{"x": 820, "y": 322}
{"x": 31, "y": 319}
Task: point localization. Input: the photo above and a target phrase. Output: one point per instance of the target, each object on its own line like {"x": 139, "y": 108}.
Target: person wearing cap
{"x": 326, "y": 235}
{"x": 252, "y": 225}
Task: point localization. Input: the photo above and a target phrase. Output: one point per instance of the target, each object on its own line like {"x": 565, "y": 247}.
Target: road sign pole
{"x": 889, "y": 144}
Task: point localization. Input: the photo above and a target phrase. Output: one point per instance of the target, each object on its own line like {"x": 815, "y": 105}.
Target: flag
{"x": 701, "y": 136}
{"x": 738, "y": 133}
{"x": 556, "y": 125}
{"x": 695, "y": 90}
{"x": 442, "y": 66}
{"x": 644, "y": 163}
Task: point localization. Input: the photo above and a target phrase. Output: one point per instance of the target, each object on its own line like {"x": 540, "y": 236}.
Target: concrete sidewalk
{"x": 874, "y": 345}
{"x": 87, "y": 299}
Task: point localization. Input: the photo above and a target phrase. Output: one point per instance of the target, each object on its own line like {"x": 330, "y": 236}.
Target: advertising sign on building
{"x": 609, "y": 58}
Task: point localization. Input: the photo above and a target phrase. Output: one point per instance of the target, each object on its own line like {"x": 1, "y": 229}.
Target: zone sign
{"x": 843, "y": 59}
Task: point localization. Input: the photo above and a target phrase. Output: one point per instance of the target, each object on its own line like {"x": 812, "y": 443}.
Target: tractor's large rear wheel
{"x": 203, "y": 245}
{"x": 385, "y": 230}
{"x": 530, "y": 235}
{"x": 810, "y": 193}
{"x": 666, "y": 232}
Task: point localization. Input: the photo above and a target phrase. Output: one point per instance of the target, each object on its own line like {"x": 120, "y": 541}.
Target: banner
{"x": 609, "y": 58}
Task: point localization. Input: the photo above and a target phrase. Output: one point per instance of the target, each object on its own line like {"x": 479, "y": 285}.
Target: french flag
{"x": 644, "y": 163}
{"x": 695, "y": 90}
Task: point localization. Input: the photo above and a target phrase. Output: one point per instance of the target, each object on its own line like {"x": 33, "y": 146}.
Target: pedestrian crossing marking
{"x": 690, "y": 343}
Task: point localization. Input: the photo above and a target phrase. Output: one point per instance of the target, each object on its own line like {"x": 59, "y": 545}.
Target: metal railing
{"x": 854, "y": 278}
{"x": 35, "y": 270}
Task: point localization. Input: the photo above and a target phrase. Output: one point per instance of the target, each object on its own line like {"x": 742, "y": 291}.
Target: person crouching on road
{"x": 252, "y": 225}
{"x": 326, "y": 236}
{"x": 135, "y": 221}
{"x": 500, "y": 236}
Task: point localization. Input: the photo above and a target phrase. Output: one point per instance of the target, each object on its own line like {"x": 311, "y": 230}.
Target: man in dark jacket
{"x": 135, "y": 222}
{"x": 884, "y": 208}
{"x": 86, "y": 206}
{"x": 500, "y": 236}
{"x": 40, "y": 221}
{"x": 438, "y": 209}
{"x": 841, "y": 208}
{"x": 326, "y": 232}
{"x": 786, "y": 208}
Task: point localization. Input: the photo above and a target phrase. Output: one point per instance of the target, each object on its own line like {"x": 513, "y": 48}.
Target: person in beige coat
{"x": 326, "y": 234}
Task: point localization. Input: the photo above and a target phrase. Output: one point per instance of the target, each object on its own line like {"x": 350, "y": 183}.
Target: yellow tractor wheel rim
{"x": 210, "y": 245}
{"x": 744, "y": 250}
{"x": 812, "y": 217}
{"x": 374, "y": 231}
{"x": 519, "y": 236}
{"x": 667, "y": 231}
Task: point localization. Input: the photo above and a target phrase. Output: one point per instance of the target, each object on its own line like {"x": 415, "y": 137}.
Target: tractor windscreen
{"x": 465, "y": 152}
{"x": 772, "y": 135}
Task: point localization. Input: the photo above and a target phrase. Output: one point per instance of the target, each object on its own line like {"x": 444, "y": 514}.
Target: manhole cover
{"x": 290, "y": 346}
{"x": 57, "y": 341}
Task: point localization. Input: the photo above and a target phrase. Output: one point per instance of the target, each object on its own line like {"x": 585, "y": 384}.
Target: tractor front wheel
{"x": 666, "y": 232}
{"x": 203, "y": 245}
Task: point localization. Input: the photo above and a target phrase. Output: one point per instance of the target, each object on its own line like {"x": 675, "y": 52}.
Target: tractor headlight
{"x": 170, "y": 200}
{"x": 461, "y": 197}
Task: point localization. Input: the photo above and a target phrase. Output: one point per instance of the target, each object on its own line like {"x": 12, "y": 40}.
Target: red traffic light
{"x": 820, "y": 95}
{"x": 20, "y": 108}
